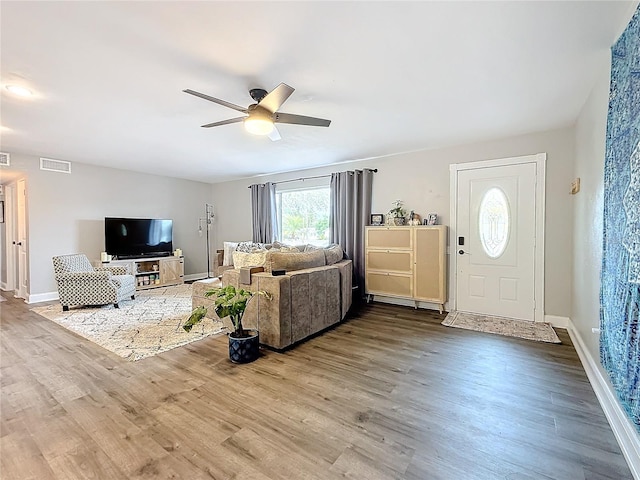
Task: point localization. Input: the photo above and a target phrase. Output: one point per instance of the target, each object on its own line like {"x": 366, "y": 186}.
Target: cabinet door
{"x": 388, "y": 284}
{"x": 392, "y": 238}
{"x": 429, "y": 272}
{"x": 389, "y": 261}
{"x": 171, "y": 270}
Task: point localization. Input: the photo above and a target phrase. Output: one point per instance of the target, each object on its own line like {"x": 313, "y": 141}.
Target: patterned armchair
{"x": 81, "y": 284}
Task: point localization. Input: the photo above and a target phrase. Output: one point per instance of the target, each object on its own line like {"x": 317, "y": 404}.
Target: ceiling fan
{"x": 261, "y": 116}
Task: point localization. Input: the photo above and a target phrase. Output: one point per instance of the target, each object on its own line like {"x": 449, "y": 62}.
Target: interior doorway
{"x": 16, "y": 234}
{"x": 497, "y": 241}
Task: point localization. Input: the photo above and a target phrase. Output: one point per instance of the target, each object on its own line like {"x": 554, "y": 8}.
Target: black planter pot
{"x": 246, "y": 349}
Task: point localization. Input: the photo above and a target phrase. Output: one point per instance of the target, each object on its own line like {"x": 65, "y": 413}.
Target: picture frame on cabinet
{"x": 377, "y": 219}
{"x": 432, "y": 219}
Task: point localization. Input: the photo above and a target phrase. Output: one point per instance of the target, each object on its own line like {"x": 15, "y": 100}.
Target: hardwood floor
{"x": 389, "y": 394}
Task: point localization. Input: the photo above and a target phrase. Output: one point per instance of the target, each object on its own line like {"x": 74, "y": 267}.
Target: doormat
{"x": 537, "y": 331}
{"x": 140, "y": 328}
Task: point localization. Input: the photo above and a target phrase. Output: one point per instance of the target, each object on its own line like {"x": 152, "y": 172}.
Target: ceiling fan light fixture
{"x": 19, "y": 90}
{"x": 258, "y": 125}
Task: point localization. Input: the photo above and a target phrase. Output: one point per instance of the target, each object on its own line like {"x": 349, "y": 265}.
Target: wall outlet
{"x": 575, "y": 186}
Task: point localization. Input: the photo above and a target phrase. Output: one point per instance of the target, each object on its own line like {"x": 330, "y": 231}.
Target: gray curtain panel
{"x": 350, "y": 211}
{"x": 264, "y": 212}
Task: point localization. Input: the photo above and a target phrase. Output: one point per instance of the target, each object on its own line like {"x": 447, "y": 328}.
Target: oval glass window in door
{"x": 493, "y": 222}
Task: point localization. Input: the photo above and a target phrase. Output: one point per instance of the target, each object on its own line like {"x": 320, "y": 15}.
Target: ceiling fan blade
{"x": 224, "y": 122}
{"x": 216, "y": 100}
{"x": 300, "y": 120}
{"x": 275, "y": 134}
{"x": 276, "y": 97}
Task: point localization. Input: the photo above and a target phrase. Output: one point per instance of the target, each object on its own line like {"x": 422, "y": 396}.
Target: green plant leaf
{"x": 196, "y": 317}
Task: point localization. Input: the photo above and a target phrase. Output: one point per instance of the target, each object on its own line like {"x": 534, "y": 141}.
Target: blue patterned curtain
{"x": 620, "y": 286}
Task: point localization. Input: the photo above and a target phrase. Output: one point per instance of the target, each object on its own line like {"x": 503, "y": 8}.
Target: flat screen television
{"x": 138, "y": 237}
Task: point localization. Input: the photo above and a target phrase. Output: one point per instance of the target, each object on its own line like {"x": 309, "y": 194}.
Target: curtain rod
{"x": 302, "y": 179}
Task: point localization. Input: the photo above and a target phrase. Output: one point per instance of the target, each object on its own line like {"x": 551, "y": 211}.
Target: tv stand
{"x": 152, "y": 272}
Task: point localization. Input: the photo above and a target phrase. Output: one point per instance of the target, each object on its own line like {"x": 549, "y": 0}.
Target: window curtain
{"x": 350, "y": 211}
{"x": 620, "y": 281}
{"x": 264, "y": 212}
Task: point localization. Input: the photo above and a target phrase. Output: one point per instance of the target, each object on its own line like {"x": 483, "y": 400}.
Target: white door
{"x": 496, "y": 240}
{"x": 21, "y": 243}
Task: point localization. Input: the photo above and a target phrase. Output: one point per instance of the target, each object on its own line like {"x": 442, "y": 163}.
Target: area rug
{"x": 538, "y": 331}
{"x": 140, "y": 328}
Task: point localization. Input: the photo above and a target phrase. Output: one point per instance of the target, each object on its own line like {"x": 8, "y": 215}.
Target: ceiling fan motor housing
{"x": 257, "y": 94}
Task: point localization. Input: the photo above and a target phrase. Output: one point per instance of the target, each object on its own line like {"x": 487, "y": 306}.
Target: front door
{"x": 495, "y": 240}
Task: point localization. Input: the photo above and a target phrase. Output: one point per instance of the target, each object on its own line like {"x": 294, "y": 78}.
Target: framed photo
{"x": 1, "y": 211}
{"x": 377, "y": 219}
{"x": 432, "y": 219}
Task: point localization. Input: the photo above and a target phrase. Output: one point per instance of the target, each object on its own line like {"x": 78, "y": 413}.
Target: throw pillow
{"x": 228, "y": 247}
{"x": 249, "y": 247}
{"x": 253, "y": 259}
{"x": 310, "y": 248}
{"x": 333, "y": 253}
{"x": 293, "y": 261}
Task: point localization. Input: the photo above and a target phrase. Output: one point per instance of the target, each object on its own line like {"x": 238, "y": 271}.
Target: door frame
{"x": 539, "y": 160}
{"x": 9, "y": 238}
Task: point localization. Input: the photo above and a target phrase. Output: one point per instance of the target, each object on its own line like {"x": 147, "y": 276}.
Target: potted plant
{"x": 232, "y": 302}
{"x": 397, "y": 214}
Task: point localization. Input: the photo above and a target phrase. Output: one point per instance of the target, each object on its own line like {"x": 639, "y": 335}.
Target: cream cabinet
{"x": 407, "y": 262}
{"x": 154, "y": 272}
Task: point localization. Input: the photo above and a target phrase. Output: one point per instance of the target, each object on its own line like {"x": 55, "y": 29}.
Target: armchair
{"x": 79, "y": 283}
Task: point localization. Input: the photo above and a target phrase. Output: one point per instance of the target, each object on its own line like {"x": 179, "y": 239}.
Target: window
{"x": 493, "y": 222}
{"x": 303, "y": 216}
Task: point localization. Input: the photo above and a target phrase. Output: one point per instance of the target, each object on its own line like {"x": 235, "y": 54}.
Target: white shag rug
{"x": 140, "y": 328}
{"x": 538, "y": 331}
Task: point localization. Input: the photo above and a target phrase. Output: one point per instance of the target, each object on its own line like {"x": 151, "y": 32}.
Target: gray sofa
{"x": 311, "y": 296}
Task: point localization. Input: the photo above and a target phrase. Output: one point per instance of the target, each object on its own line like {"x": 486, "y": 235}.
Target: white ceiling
{"x": 393, "y": 77}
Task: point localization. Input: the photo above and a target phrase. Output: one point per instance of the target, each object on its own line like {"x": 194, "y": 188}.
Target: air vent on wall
{"x": 5, "y": 161}
{"x": 50, "y": 165}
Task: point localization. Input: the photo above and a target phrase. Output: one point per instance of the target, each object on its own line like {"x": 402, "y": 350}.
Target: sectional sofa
{"x": 312, "y": 294}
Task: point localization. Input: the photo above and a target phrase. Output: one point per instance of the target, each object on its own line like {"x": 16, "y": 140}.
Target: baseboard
{"x": 558, "y": 322}
{"x": 623, "y": 429}
{"x": 3, "y": 286}
{"x": 42, "y": 297}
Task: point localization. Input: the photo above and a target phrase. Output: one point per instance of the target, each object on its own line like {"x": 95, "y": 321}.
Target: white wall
{"x": 590, "y": 138}
{"x": 66, "y": 212}
{"x": 421, "y": 179}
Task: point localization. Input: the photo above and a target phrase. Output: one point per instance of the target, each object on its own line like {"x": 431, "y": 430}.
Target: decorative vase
{"x": 244, "y": 349}
{"x": 398, "y": 221}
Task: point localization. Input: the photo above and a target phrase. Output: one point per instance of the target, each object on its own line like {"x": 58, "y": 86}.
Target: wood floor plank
{"x": 388, "y": 394}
